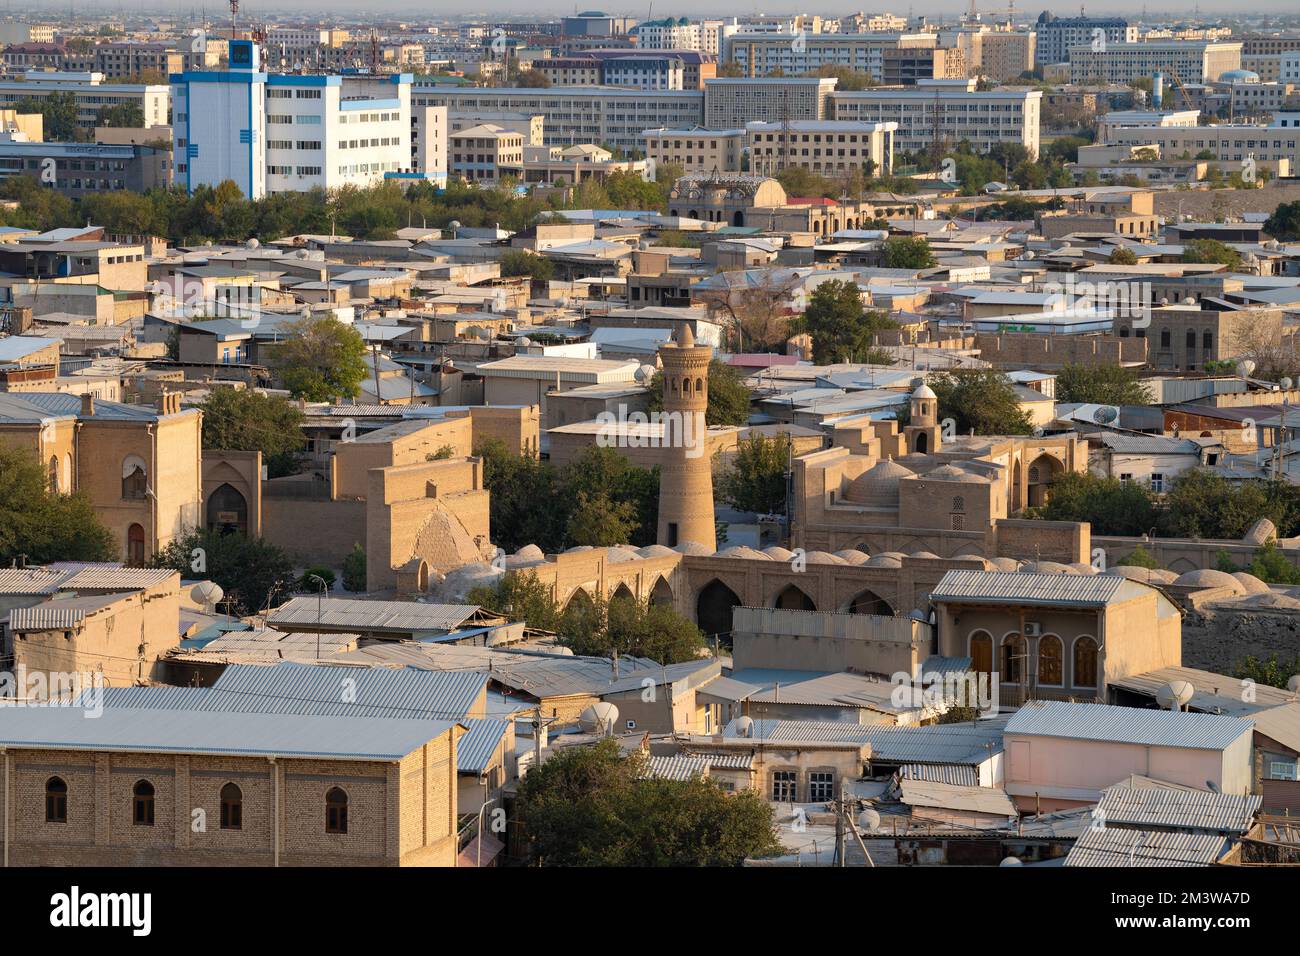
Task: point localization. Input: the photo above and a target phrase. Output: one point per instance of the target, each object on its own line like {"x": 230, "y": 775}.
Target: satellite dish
{"x": 525, "y": 341}
{"x": 208, "y": 594}
{"x": 1293, "y": 685}
{"x": 599, "y": 718}
{"x": 1011, "y": 861}
{"x": 1105, "y": 414}
{"x": 1175, "y": 694}
{"x": 744, "y": 726}
{"x": 1246, "y": 367}
{"x": 1286, "y": 383}
{"x": 253, "y": 243}
{"x": 869, "y": 820}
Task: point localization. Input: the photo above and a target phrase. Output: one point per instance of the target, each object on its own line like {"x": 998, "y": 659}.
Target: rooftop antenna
{"x": 234, "y": 17}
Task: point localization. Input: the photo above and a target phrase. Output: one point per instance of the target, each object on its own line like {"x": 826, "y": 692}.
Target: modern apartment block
{"x": 671, "y": 33}
{"x": 731, "y": 102}
{"x": 697, "y": 150}
{"x": 826, "y": 148}
{"x": 645, "y": 72}
{"x": 1005, "y": 56}
{"x": 948, "y": 112}
{"x": 1056, "y": 37}
{"x": 288, "y": 132}
{"x": 80, "y": 169}
{"x": 761, "y": 54}
{"x": 1227, "y": 143}
{"x": 430, "y": 127}
{"x": 576, "y": 115}
{"x": 1191, "y": 62}
{"x": 569, "y": 70}
{"x": 91, "y": 93}
{"x": 904, "y": 66}
{"x": 486, "y": 153}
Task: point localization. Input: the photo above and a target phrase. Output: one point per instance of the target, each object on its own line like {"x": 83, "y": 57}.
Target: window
{"x": 1013, "y": 658}
{"x": 336, "y": 811}
{"x": 135, "y": 481}
{"x": 142, "y": 804}
{"x": 232, "y": 807}
{"x": 1049, "y": 660}
{"x": 56, "y": 800}
{"x": 1085, "y": 662}
{"x": 1157, "y": 481}
{"x": 821, "y": 787}
{"x": 783, "y": 786}
{"x": 981, "y": 653}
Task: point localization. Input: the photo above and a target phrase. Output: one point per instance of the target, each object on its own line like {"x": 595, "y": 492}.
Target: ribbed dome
{"x": 878, "y": 484}
{"x": 655, "y": 551}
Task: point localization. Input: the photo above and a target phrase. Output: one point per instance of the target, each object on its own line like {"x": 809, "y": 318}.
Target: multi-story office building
{"x": 430, "y": 128}
{"x": 824, "y": 147}
{"x": 81, "y": 169}
{"x": 91, "y": 93}
{"x": 288, "y": 132}
{"x": 486, "y": 153}
{"x": 714, "y": 33}
{"x": 1268, "y": 45}
{"x": 947, "y": 112}
{"x": 1005, "y": 56}
{"x": 596, "y": 25}
{"x": 570, "y": 70}
{"x": 532, "y": 128}
{"x": 1226, "y": 143}
{"x": 645, "y": 72}
{"x": 697, "y": 150}
{"x": 731, "y": 102}
{"x": 1288, "y": 70}
{"x": 1253, "y": 99}
{"x": 1058, "y": 36}
{"x": 761, "y": 54}
{"x": 669, "y": 34}
{"x": 1191, "y": 62}
{"x": 576, "y": 115}
{"x": 904, "y": 66}
{"x": 1107, "y": 123}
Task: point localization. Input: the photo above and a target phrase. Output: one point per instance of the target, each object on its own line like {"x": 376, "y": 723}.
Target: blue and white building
{"x": 272, "y": 132}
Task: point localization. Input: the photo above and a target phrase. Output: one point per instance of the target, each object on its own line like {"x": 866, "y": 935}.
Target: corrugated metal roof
{"x": 1113, "y": 846}
{"x": 59, "y": 614}
{"x": 271, "y": 646}
{"x": 198, "y": 732}
{"x": 36, "y": 581}
{"x": 1176, "y": 807}
{"x": 827, "y": 690}
{"x": 939, "y": 743}
{"x": 1127, "y": 444}
{"x": 959, "y": 775}
{"x": 676, "y": 767}
{"x": 343, "y": 614}
{"x": 1103, "y": 722}
{"x": 1215, "y": 693}
{"x": 1008, "y": 587}
{"x": 477, "y": 748}
{"x": 928, "y": 793}
{"x": 118, "y": 579}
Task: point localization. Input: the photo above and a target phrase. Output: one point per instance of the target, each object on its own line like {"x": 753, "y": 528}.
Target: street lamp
{"x": 478, "y": 857}
{"x": 319, "y": 597}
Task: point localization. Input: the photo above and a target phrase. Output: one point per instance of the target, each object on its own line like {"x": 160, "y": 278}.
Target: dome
{"x": 822, "y": 557}
{"x": 1141, "y": 575}
{"x": 1206, "y": 578}
{"x": 878, "y": 484}
{"x": 929, "y": 555}
{"x": 695, "y": 548}
{"x": 778, "y": 553}
{"x": 953, "y": 473}
{"x": 578, "y": 547}
{"x": 884, "y": 561}
{"x": 530, "y": 552}
{"x": 1047, "y": 16}
{"x": 1238, "y": 76}
{"x": 1261, "y": 533}
{"x": 924, "y": 391}
{"x": 1045, "y": 567}
{"x": 619, "y": 553}
{"x": 850, "y": 556}
{"x": 740, "y": 551}
{"x": 655, "y": 551}
{"x": 1252, "y": 584}
{"x": 1004, "y": 564}
{"x": 1080, "y": 568}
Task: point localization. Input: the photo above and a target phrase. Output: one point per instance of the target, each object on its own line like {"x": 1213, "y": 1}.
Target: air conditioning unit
{"x": 1033, "y": 629}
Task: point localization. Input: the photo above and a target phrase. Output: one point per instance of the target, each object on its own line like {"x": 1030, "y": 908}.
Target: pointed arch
{"x": 868, "y": 601}
{"x": 793, "y": 598}
{"x": 623, "y": 593}
{"x": 662, "y": 592}
{"x": 713, "y": 607}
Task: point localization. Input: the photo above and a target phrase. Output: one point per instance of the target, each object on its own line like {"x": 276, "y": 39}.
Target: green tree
{"x": 594, "y": 806}
{"x": 728, "y": 395}
{"x": 1101, "y": 384}
{"x": 520, "y": 262}
{"x": 1284, "y": 224}
{"x": 756, "y": 478}
{"x": 840, "y": 329}
{"x": 38, "y": 522}
{"x": 599, "y": 521}
{"x": 1140, "y": 558}
{"x": 354, "y": 569}
{"x": 1204, "y": 504}
{"x": 1211, "y": 251}
{"x": 253, "y": 573}
{"x": 979, "y": 399}
{"x": 1113, "y": 507}
{"x": 321, "y": 359}
{"x": 617, "y": 495}
{"x": 907, "y": 252}
{"x": 312, "y": 577}
{"x": 520, "y": 596}
{"x": 517, "y": 484}
{"x": 1122, "y": 256}
{"x": 58, "y": 116}
{"x": 245, "y": 420}
{"x": 1270, "y": 565}
{"x": 1274, "y": 672}
{"x": 601, "y": 628}
{"x": 123, "y": 114}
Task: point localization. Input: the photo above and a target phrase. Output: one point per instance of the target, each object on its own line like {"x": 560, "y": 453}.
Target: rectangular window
{"x": 821, "y": 787}
{"x": 784, "y": 784}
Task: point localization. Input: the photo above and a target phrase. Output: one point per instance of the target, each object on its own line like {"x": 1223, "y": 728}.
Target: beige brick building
{"x": 183, "y": 788}
{"x": 696, "y": 150}
{"x": 826, "y": 148}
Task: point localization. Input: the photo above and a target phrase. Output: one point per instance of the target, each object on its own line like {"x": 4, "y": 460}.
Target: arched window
{"x": 142, "y": 804}
{"x": 1013, "y": 658}
{"x": 686, "y": 386}
{"x": 1049, "y": 660}
{"x": 135, "y": 479}
{"x": 699, "y": 385}
{"x": 54, "y": 474}
{"x": 981, "y": 653}
{"x": 232, "y": 807}
{"x": 1085, "y": 663}
{"x": 56, "y": 800}
{"x": 336, "y": 811}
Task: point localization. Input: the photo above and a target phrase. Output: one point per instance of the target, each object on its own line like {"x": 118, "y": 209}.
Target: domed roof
{"x": 1208, "y": 578}
{"x": 924, "y": 554}
{"x": 1238, "y": 76}
{"x": 884, "y": 561}
{"x": 953, "y": 473}
{"x": 655, "y": 551}
{"x": 1140, "y": 574}
{"x": 1080, "y": 568}
{"x": 1005, "y": 564}
{"x": 693, "y": 547}
{"x": 1252, "y": 584}
{"x": 879, "y": 483}
{"x": 740, "y": 551}
{"x": 850, "y": 556}
{"x": 578, "y": 547}
{"x": 924, "y": 391}
{"x": 822, "y": 557}
{"x": 778, "y": 553}
{"x": 1045, "y": 567}
{"x": 618, "y": 554}
{"x": 530, "y": 552}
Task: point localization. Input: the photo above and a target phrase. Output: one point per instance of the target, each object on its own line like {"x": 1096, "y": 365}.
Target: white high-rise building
{"x": 274, "y": 133}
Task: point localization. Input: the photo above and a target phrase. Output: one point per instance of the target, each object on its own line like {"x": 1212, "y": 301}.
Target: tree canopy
{"x": 756, "y": 478}
{"x": 840, "y": 328}
{"x": 253, "y": 573}
{"x": 1284, "y": 224}
{"x": 594, "y": 806}
{"x": 907, "y": 252}
{"x": 1211, "y": 251}
{"x": 728, "y": 395}
{"x": 1101, "y": 384}
{"x": 245, "y": 420}
{"x": 979, "y": 399}
{"x": 42, "y": 524}
{"x": 321, "y": 359}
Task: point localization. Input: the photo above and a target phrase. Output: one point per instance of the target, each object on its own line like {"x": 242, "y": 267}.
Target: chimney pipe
{"x": 87, "y": 405}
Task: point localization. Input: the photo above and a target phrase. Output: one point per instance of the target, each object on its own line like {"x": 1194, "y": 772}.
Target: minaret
{"x": 924, "y": 436}
{"x": 685, "y": 472}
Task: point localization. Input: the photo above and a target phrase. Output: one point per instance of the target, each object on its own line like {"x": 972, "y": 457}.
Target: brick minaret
{"x": 685, "y": 476}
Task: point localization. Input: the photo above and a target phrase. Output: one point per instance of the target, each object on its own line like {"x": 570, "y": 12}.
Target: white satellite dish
{"x": 1246, "y": 367}
{"x": 1105, "y": 414}
{"x": 208, "y": 594}
{"x": 599, "y": 718}
{"x": 744, "y": 726}
{"x": 869, "y": 820}
{"x": 1175, "y": 694}
{"x": 1293, "y": 685}
{"x": 1011, "y": 861}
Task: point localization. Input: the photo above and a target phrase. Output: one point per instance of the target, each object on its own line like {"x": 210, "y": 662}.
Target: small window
{"x": 232, "y": 807}
{"x": 336, "y": 811}
{"x": 56, "y": 800}
{"x": 142, "y": 804}
{"x": 783, "y": 786}
{"x": 821, "y": 787}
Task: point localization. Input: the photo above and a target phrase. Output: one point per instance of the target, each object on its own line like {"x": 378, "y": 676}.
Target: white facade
{"x": 1288, "y": 70}
{"x": 91, "y": 94}
{"x": 669, "y": 34}
{"x": 429, "y": 130}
